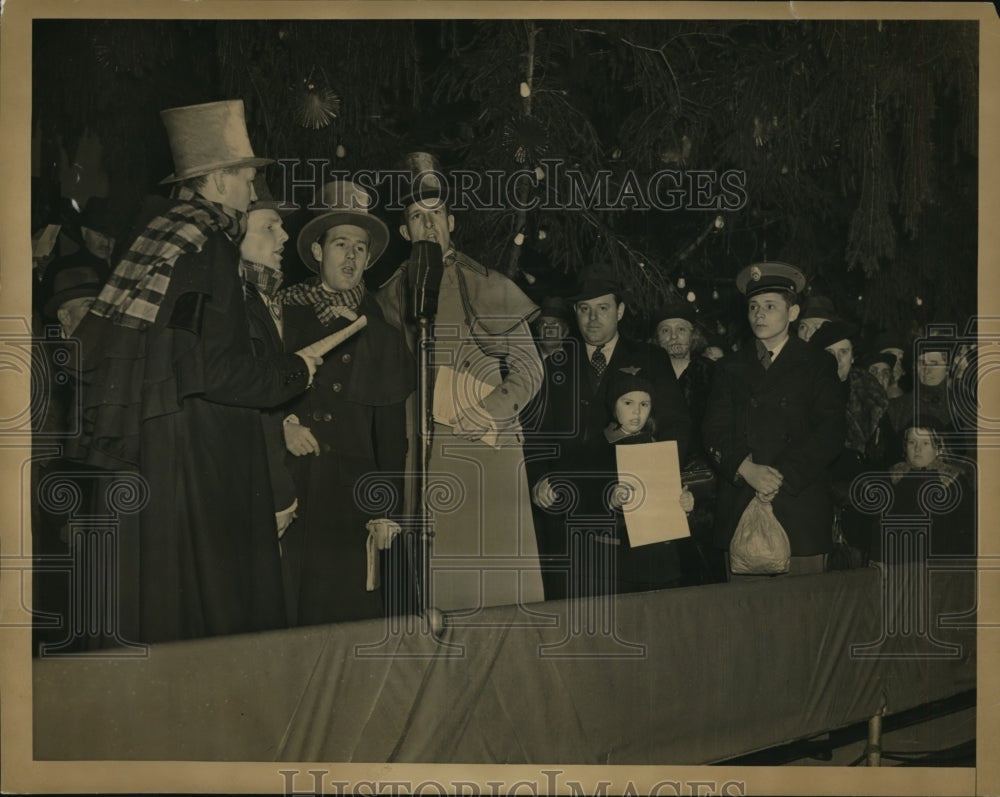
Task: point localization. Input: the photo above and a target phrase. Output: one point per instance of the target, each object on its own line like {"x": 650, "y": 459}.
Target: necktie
{"x": 598, "y": 361}
{"x": 766, "y": 359}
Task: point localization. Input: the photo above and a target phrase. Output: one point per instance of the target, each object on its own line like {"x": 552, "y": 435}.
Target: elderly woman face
{"x": 882, "y": 372}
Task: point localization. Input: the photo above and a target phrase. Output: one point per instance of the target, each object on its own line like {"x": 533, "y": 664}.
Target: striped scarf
{"x": 265, "y": 279}
{"x": 133, "y": 294}
{"x": 326, "y": 303}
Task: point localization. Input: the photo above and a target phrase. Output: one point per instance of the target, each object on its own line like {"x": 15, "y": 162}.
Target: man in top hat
{"x": 582, "y": 402}
{"x": 351, "y": 426}
{"x": 174, "y": 391}
{"x": 485, "y": 371}
{"x": 775, "y": 421}
{"x": 817, "y": 311}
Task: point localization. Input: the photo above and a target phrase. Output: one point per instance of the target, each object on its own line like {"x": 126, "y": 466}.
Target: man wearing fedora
{"x": 174, "y": 393}
{"x": 775, "y": 421}
{"x": 351, "y": 427}
{"x": 485, "y": 370}
{"x": 598, "y": 353}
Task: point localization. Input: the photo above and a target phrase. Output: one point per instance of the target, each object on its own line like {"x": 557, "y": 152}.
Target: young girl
{"x": 929, "y": 486}
{"x": 656, "y": 566}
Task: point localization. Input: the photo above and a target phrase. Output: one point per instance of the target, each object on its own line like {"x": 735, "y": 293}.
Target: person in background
{"x": 889, "y": 343}
{"x": 816, "y": 311}
{"x": 775, "y": 421}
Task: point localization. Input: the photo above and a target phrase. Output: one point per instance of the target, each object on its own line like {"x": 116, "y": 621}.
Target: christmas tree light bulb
{"x": 919, "y": 301}
{"x": 539, "y": 172}
{"x": 525, "y": 90}
{"x": 519, "y": 239}
{"x": 341, "y": 151}
{"x": 715, "y": 294}
{"x": 719, "y": 222}
{"x": 542, "y": 235}
{"x": 681, "y": 284}
{"x": 691, "y": 297}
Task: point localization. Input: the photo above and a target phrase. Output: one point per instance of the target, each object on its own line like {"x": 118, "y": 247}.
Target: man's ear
{"x": 218, "y": 179}
{"x": 317, "y": 251}
{"x": 451, "y": 223}
{"x": 793, "y": 313}
{"x": 404, "y": 232}
{"x": 621, "y": 310}
{"x": 62, "y": 315}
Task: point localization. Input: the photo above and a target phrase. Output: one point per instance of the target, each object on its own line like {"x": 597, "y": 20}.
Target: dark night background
{"x": 858, "y": 138}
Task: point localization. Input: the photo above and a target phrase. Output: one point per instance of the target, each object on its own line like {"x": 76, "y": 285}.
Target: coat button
{"x": 327, "y": 416}
{"x": 336, "y": 387}
{"x": 346, "y": 358}
{"x": 317, "y": 415}
{"x": 325, "y": 448}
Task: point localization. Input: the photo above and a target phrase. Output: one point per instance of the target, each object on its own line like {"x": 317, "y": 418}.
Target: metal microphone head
{"x": 425, "y": 272}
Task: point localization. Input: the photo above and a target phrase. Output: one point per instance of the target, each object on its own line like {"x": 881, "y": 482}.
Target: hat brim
{"x": 776, "y": 279}
{"x": 212, "y": 167}
{"x": 378, "y": 234}
{"x": 51, "y": 306}
{"x": 271, "y": 204}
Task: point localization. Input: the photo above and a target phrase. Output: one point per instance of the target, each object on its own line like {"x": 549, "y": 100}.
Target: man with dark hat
{"x": 485, "y": 370}
{"x": 818, "y": 310}
{"x": 173, "y": 392}
{"x": 775, "y": 421}
{"x": 599, "y": 353}
{"x": 351, "y": 426}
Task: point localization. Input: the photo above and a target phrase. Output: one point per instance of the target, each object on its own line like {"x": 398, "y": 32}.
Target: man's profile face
{"x": 99, "y": 244}
{"x": 882, "y": 372}
{"x": 598, "y": 318}
{"x": 71, "y": 313}
{"x": 808, "y": 327}
{"x": 343, "y": 255}
{"x": 674, "y": 335}
{"x": 843, "y": 352}
{"x": 428, "y": 220}
{"x": 238, "y": 191}
{"x": 265, "y": 239}
{"x": 770, "y": 315}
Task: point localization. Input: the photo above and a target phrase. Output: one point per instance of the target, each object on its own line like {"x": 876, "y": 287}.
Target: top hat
{"x": 97, "y": 216}
{"x": 833, "y": 331}
{"x": 207, "y": 137}
{"x": 348, "y": 204}
{"x": 769, "y": 277}
{"x": 817, "y": 306}
{"x": 426, "y": 178}
{"x": 70, "y": 278}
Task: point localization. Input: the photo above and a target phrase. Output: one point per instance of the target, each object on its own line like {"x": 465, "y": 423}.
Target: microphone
{"x": 424, "y": 277}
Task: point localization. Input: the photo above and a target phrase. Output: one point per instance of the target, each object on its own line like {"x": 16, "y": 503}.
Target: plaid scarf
{"x": 265, "y": 279}
{"x": 134, "y": 292}
{"x": 326, "y": 303}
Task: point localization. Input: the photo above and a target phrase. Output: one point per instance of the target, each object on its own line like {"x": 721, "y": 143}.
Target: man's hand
{"x": 312, "y": 363}
{"x": 687, "y": 500}
{"x": 299, "y": 440}
{"x": 543, "y": 495}
{"x": 763, "y": 478}
{"x": 472, "y": 425}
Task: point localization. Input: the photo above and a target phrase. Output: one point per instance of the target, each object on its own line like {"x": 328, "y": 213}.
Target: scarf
{"x": 326, "y": 303}
{"x": 265, "y": 279}
{"x": 135, "y": 290}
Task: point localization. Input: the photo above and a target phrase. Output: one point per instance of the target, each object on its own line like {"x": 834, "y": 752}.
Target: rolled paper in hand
{"x": 323, "y": 345}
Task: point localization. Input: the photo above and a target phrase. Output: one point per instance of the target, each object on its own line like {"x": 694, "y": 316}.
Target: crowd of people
{"x": 276, "y": 429}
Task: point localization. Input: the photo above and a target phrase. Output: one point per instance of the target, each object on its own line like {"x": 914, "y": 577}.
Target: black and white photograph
{"x": 500, "y": 398}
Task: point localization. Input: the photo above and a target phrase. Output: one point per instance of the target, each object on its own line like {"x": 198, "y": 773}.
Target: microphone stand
{"x": 426, "y": 420}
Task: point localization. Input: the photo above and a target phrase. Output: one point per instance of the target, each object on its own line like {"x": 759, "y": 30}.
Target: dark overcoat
{"x": 791, "y": 417}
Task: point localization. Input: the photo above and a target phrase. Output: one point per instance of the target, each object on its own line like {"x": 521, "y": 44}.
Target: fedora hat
{"x": 207, "y": 137}
{"x": 348, "y": 204}
{"x": 426, "y": 178}
{"x": 69, "y": 278}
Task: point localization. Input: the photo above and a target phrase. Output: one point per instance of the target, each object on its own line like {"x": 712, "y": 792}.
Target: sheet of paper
{"x": 459, "y": 390}
{"x": 653, "y": 513}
